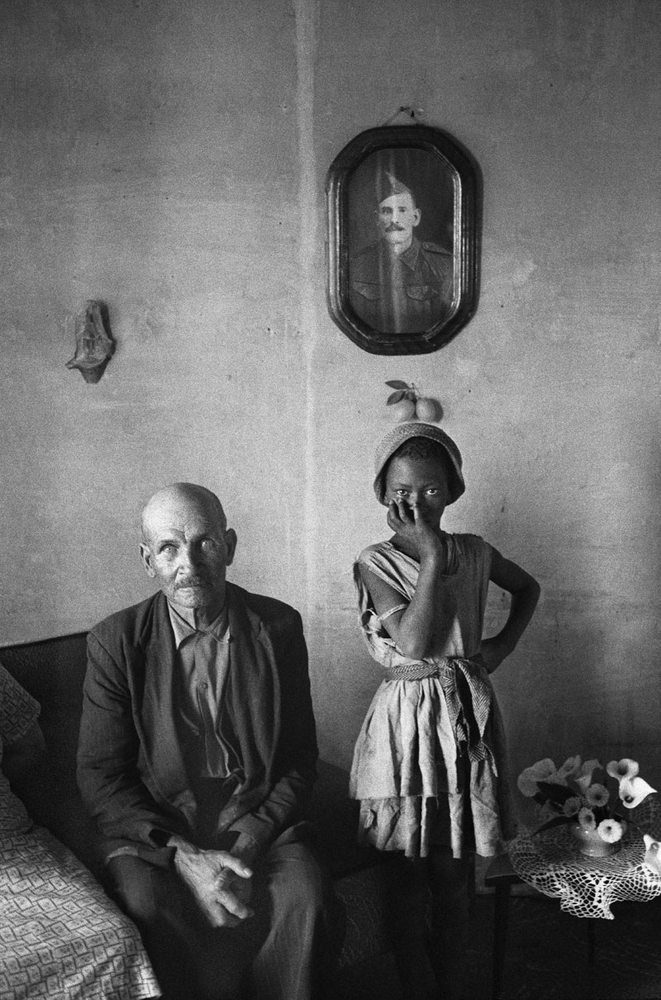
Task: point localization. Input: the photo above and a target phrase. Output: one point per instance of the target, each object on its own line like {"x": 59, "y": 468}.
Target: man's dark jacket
{"x": 407, "y": 293}
{"x": 130, "y": 767}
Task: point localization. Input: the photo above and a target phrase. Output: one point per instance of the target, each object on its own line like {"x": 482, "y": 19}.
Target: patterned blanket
{"x": 61, "y": 938}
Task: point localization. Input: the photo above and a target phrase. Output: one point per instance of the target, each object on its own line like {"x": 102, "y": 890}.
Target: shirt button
{"x": 203, "y": 685}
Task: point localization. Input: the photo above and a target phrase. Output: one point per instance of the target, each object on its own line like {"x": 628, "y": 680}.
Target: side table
{"x": 500, "y": 877}
{"x": 550, "y": 861}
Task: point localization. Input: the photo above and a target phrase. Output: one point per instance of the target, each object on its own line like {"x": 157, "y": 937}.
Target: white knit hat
{"x": 405, "y": 431}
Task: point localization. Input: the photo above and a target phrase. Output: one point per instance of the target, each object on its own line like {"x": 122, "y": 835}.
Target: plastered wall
{"x": 170, "y": 160}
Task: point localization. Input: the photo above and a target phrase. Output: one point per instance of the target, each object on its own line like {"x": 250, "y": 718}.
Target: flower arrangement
{"x": 571, "y": 793}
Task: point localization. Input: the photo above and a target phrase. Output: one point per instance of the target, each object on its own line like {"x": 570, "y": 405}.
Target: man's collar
{"x": 410, "y": 255}
{"x": 219, "y": 627}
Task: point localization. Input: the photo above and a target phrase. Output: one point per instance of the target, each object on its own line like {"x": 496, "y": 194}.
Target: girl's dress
{"x": 429, "y": 763}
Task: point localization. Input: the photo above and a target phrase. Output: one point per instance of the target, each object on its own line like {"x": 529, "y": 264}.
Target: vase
{"x": 590, "y": 843}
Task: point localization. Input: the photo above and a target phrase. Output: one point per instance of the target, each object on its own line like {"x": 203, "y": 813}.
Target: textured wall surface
{"x": 170, "y": 160}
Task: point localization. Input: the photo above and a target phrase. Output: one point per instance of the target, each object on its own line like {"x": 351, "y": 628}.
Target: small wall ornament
{"x": 94, "y": 343}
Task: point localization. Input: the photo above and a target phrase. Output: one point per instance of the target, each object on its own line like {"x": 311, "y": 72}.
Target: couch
{"x": 52, "y": 670}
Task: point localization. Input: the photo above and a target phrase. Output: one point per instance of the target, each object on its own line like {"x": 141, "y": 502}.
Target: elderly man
{"x": 197, "y": 755}
{"x": 400, "y": 284}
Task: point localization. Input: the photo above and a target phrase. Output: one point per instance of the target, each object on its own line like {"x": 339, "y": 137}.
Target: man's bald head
{"x": 177, "y": 496}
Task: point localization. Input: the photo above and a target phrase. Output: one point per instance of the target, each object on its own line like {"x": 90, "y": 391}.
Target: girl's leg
{"x": 408, "y": 907}
{"x": 452, "y": 887}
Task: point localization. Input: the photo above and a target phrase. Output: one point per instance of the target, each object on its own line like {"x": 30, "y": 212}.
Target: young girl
{"x": 428, "y": 765}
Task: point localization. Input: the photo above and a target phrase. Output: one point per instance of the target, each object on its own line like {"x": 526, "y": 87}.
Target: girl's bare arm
{"x": 411, "y": 627}
{"x": 524, "y": 591}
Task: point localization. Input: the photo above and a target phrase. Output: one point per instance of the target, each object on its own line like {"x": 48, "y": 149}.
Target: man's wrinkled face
{"x": 397, "y": 217}
{"x": 187, "y": 550}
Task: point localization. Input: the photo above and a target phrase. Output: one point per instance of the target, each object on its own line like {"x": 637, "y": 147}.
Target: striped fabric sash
{"x": 468, "y": 697}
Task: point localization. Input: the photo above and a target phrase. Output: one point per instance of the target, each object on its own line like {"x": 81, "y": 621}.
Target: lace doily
{"x": 551, "y": 862}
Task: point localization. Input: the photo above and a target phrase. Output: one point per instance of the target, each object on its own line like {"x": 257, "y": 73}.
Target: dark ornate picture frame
{"x": 386, "y": 299}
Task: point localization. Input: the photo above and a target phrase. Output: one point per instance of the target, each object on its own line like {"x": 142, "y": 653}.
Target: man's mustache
{"x": 194, "y": 581}
{"x": 394, "y": 227}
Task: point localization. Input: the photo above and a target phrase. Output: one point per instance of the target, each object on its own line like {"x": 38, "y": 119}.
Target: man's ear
{"x": 145, "y": 555}
{"x": 230, "y": 542}
{"x": 417, "y": 215}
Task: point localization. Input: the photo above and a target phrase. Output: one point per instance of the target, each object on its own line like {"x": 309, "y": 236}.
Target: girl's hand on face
{"x": 406, "y": 521}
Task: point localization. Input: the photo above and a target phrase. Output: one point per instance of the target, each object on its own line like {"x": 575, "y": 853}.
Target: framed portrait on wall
{"x": 403, "y": 205}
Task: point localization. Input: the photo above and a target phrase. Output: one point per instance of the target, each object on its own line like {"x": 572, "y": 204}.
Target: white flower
{"x": 583, "y": 781}
{"x": 652, "y": 859}
{"x": 571, "y": 806}
{"x": 610, "y": 830}
{"x": 570, "y": 768}
{"x": 632, "y": 791}
{"x": 542, "y": 770}
{"x": 597, "y": 795}
{"x": 625, "y": 768}
{"x": 586, "y": 818}
{"x": 588, "y": 767}
{"x": 527, "y": 783}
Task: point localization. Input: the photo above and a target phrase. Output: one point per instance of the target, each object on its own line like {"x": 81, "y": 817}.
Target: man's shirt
{"x": 202, "y": 662}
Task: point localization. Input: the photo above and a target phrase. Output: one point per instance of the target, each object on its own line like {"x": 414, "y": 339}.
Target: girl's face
{"x": 421, "y": 483}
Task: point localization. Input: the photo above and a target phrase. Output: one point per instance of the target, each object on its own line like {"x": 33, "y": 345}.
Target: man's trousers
{"x": 281, "y": 953}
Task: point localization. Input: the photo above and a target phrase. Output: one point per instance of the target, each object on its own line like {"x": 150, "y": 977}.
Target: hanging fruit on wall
{"x": 408, "y": 404}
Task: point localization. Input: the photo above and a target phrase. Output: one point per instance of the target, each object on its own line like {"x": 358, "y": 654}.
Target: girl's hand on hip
{"x": 492, "y": 653}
